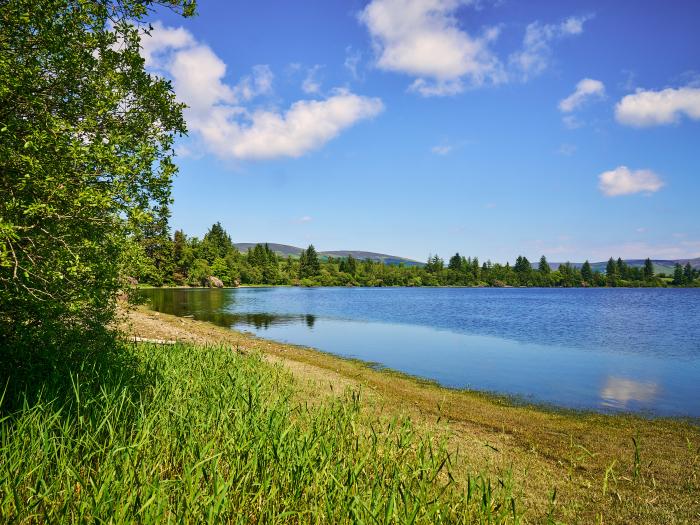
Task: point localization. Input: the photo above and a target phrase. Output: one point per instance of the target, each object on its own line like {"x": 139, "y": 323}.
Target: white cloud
{"x": 311, "y": 85}
{"x": 163, "y": 39}
{"x": 257, "y": 84}
{"x": 306, "y": 126}
{"x": 585, "y": 90}
{"x": 571, "y": 122}
{"x": 536, "y": 52}
{"x": 305, "y": 218}
{"x": 422, "y": 38}
{"x": 217, "y": 112}
{"x": 623, "y": 181}
{"x": 654, "y": 108}
{"x": 352, "y": 62}
{"x": 442, "y": 149}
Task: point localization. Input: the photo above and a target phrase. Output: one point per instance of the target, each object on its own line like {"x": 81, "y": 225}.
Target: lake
{"x": 605, "y": 349}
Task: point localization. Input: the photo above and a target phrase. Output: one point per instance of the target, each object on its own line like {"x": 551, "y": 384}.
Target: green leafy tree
{"x": 86, "y": 145}
{"x": 544, "y": 267}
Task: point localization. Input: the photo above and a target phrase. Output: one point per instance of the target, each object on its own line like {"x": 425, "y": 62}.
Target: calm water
{"x": 602, "y": 349}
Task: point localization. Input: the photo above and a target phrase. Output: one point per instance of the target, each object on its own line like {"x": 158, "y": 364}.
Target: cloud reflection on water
{"x": 618, "y": 392}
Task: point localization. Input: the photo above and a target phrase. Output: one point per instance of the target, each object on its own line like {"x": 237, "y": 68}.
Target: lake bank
{"x": 600, "y": 349}
{"x": 587, "y": 460}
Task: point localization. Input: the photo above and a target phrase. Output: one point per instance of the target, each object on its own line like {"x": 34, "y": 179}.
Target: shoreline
{"x": 510, "y": 400}
{"x": 479, "y": 287}
{"x": 539, "y": 443}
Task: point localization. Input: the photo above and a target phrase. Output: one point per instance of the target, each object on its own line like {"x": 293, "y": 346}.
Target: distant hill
{"x": 285, "y": 250}
{"x": 280, "y": 249}
{"x": 660, "y": 265}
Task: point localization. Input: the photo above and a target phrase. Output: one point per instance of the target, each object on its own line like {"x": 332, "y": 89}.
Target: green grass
{"x": 202, "y": 434}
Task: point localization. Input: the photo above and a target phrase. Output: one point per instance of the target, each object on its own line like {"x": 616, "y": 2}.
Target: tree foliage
{"x": 193, "y": 261}
{"x": 86, "y": 138}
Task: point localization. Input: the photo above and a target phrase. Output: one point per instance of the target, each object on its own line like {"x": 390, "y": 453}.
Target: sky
{"x": 415, "y": 127}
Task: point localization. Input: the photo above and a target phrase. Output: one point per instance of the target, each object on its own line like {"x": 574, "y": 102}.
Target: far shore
{"x": 587, "y": 459}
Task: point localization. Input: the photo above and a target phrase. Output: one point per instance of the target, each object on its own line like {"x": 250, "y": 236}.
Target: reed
{"x": 203, "y": 434}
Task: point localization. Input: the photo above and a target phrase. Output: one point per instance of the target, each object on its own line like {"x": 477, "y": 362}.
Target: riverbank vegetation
{"x": 95, "y": 429}
{"x": 190, "y": 434}
{"x": 190, "y": 261}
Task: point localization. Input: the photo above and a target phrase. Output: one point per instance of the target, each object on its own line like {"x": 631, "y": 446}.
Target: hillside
{"x": 660, "y": 265}
{"x": 286, "y": 250}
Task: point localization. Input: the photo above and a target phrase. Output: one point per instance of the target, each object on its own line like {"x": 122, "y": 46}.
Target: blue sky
{"x": 410, "y": 127}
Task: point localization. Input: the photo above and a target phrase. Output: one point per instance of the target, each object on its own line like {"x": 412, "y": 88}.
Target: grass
{"x": 203, "y": 434}
{"x": 565, "y": 466}
{"x": 234, "y": 429}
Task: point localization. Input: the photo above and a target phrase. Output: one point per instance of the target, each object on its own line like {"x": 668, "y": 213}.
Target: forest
{"x": 214, "y": 260}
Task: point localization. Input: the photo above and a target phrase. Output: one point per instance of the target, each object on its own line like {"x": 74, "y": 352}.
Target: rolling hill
{"x": 285, "y": 250}
{"x": 660, "y": 265}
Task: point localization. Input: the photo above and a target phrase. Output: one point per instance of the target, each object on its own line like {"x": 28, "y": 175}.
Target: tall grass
{"x": 201, "y": 434}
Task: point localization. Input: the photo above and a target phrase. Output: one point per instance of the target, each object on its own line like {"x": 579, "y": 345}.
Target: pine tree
{"x": 648, "y": 269}
{"x": 157, "y": 245}
{"x": 544, "y": 267}
{"x": 216, "y": 243}
{"x": 622, "y": 268}
{"x": 309, "y": 264}
{"x": 351, "y": 265}
{"x": 455, "y": 262}
{"x": 678, "y": 275}
{"x": 688, "y": 273}
{"x": 587, "y": 272}
{"x": 611, "y": 272}
{"x": 522, "y": 265}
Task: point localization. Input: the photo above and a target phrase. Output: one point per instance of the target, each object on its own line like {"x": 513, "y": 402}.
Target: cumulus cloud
{"x": 422, "y": 38}
{"x": 307, "y": 125}
{"x": 623, "y": 181}
{"x": 585, "y": 90}
{"x": 535, "y": 55}
{"x": 655, "y": 108}
{"x": 220, "y": 114}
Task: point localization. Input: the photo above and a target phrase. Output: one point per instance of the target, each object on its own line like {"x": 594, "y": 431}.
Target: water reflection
{"x": 535, "y": 344}
{"x": 620, "y": 392}
{"x": 215, "y": 305}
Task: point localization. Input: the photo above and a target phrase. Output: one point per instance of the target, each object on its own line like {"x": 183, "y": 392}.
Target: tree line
{"x": 189, "y": 261}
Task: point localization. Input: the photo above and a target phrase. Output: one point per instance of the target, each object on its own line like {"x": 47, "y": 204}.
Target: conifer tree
{"x": 587, "y": 272}
{"x": 678, "y": 275}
